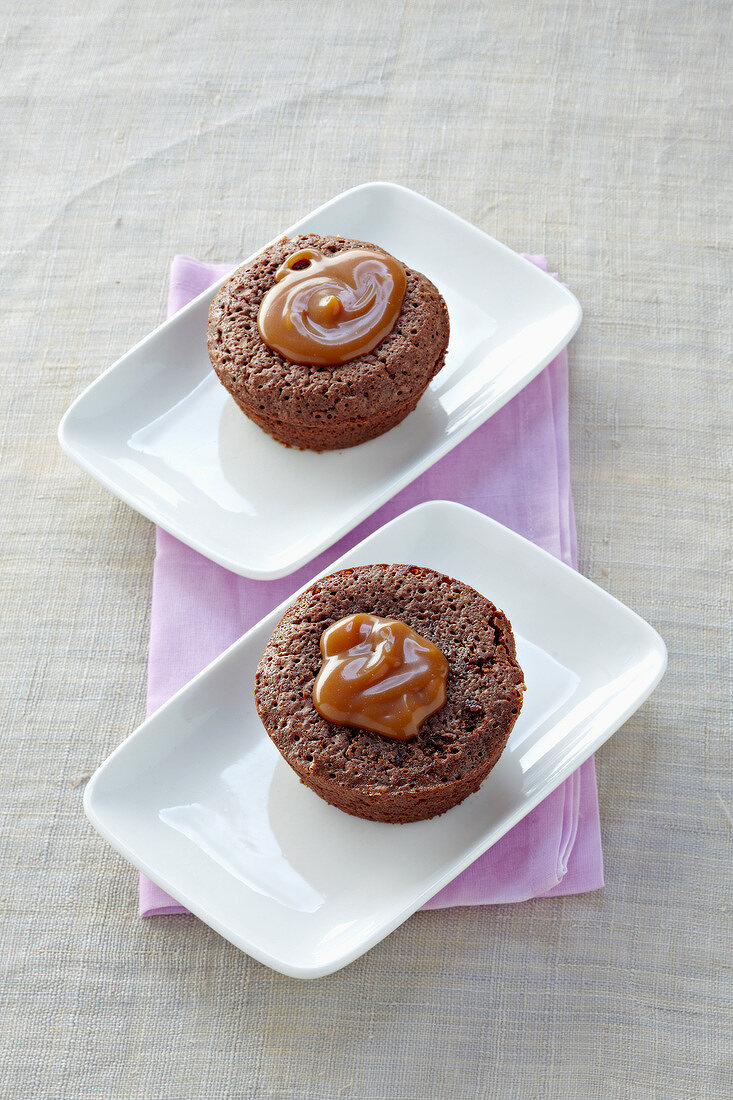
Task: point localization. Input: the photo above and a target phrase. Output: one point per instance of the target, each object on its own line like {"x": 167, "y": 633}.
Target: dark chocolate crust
{"x": 364, "y": 773}
{"x": 324, "y": 408}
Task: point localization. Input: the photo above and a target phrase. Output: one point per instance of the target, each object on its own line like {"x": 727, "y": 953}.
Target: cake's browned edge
{"x": 307, "y": 437}
{"x": 402, "y": 808}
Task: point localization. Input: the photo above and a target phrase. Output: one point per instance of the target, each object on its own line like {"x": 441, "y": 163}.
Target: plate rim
{"x": 232, "y": 562}
{"x": 658, "y": 650}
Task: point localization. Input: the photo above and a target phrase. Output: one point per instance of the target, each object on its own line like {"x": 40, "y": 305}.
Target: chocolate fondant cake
{"x": 335, "y": 404}
{"x": 366, "y": 773}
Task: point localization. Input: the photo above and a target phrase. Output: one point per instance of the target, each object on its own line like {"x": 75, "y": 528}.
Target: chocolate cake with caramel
{"x": 326, "y": 342}
{"x": 416, "y": 769}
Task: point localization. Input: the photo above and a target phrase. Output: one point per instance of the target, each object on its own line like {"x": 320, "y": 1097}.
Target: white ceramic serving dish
{"x": 160, "y": 432}
{"x": 200, "y": 800}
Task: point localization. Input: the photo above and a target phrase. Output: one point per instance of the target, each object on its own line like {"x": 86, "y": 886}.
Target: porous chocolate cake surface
{"x": 368, "y": 774}
{"x": 322, "y": 408}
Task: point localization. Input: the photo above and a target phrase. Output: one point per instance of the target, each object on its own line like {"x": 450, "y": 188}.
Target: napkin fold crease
{"x": 515, "y": 468}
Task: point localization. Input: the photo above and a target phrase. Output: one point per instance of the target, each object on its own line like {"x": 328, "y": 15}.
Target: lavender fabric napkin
{"x": 514, "y": 468}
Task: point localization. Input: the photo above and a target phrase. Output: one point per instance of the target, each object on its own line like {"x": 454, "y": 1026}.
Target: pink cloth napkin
{"x": 514, "y": 468}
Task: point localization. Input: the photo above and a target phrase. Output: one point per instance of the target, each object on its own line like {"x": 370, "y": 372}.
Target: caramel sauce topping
{"x": 379, "y": 675}
{"x": 327, "y": 310}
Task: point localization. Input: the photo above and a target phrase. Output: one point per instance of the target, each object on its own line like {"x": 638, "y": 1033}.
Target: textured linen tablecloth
{"x": 597, "y": 133}
{"x": 516, "y": 469}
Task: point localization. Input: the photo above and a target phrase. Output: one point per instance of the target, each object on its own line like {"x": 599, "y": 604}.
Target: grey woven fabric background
{"x": 597, "y": 133}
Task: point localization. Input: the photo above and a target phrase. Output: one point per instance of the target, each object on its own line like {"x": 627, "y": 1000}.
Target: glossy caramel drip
{"x": 326, "y": 310}
{"x": 379, "y": 675}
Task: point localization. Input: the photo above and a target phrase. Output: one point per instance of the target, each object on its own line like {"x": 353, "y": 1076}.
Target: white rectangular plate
{"x": 161, "y": 432}
{"x": 200, "y": 800}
